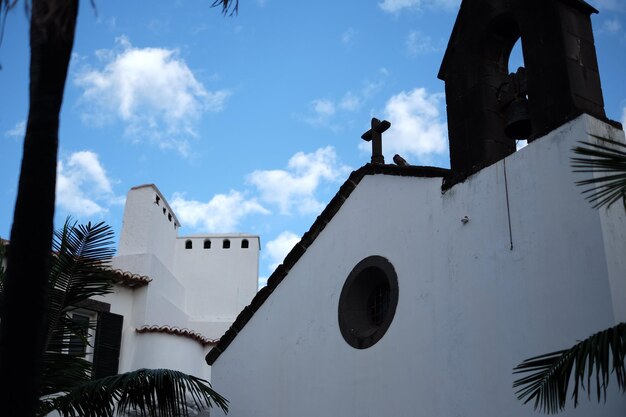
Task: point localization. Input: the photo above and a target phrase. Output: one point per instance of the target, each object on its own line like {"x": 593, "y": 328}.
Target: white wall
{"x": 148, "y": 226}
{"x": 469, "y": 309}
{"x": 219, "y": 282}
{"x": 201, "y": 290}
{"x": 172, "y": 353}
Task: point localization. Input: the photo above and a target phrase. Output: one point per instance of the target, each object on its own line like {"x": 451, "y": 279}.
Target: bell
{"x": 517, "y": 119}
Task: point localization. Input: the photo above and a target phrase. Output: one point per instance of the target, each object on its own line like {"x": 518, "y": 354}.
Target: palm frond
{"x": 79, "y": 261}
{"x": 596, "y": 357}
{"x": 5, "y": 8}
{"x": 63, "y": 373}
{"x": 227, "y": 6}
{"x": 70, "y": 333}
{"x": 607, "y": 157}
{"x": 79, "y": 270}
{"x": 152, "y": 392}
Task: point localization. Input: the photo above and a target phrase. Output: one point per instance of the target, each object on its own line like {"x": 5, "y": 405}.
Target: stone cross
{"x": 375, "y": 135}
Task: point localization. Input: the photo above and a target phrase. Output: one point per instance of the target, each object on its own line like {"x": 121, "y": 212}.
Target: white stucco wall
{"x": 200, "y": 290}
{"x": 219, "y": 282}
{"x": 469, "y": 309}
{"x": 148, "y": 226}
{"x": 173, "y": 353}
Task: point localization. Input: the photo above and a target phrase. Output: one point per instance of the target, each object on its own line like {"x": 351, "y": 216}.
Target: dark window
{"x": 164, "y": 210}
{"x": 207, "y": 243}
{"x": 368, "y": 302}
{"x": 78, "y": 341}
{"x": 157, "y": 199}
{"x": 169, "y": 217}
{"x": 378, "y": 304}
{"x": 226, "y": 244}
{"x": 188, "y": 244}
{"x": 245, "y": 244}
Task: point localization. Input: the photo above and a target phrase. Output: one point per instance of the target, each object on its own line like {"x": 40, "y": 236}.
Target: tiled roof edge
{"x": 177, "y": 331}
{"x": 309, "y": 237}
{"x": 128, "y": 279}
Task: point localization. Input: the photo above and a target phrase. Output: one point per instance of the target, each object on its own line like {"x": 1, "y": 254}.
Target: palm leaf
{"x": 63, "y": 373}
{"x": 594, "y": 358}
{"x": 79, "y": 271}
{"x": 152, "y": 392}
{"x": 79, "y": 261}
{"x": 227, "y": 5}
{"x": 607, "y": 157}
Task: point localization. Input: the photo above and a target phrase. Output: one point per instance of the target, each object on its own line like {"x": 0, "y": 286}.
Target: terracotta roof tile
{"x": 177, "y": 331}
{"x": 128, "y": 279}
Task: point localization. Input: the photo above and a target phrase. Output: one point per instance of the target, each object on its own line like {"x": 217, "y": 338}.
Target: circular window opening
{"x": 368, "y": 302}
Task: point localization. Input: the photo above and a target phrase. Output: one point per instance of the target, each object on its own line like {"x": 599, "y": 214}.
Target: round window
{"x": 368, "y": 302}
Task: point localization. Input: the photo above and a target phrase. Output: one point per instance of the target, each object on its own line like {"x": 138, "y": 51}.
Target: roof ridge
{"x": 309, "y": 237}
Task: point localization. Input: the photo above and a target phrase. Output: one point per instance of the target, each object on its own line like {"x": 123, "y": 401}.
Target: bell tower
{"x": 489, "y": 108}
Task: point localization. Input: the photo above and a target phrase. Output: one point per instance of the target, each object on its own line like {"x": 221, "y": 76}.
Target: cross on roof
{"x": 375, "y": 135}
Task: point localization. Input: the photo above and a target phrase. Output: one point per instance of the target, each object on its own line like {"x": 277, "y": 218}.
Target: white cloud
{"x": 323, "y": 111}
{"x": 277, "y": 249}
{"x": 83, "y": 188}
{"x": 18, "y": 131}
{"x": 372, "y": 87}
{"x": 350, "y": 102}
{"x": 221, "y": 214}
{"x": 347, "y": 37}
{"x": 624, "y": 117}
{"x": 262, "y": 282}
{"x": 110, "y": 23}
{"x": 394, "y": 6}
{"x": 446, "y": 4}
{"x": 417, "y": 44}
{"x": 295, "y": 187}
{"x": 326, "y": 110}
{"x": 417, "y": 128}
{"x": 612, "y": 26}
{"x": 605, "y": 5}
{"x": 151, "y": 90}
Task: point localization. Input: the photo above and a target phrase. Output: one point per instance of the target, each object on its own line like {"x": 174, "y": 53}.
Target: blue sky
{"x": 247, "y": 123}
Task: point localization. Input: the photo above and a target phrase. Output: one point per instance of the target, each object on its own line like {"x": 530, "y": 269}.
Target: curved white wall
{"x": 160, "y": 350}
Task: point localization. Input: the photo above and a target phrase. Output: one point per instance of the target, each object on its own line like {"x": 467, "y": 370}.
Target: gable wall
{"x": 469, "y": 308}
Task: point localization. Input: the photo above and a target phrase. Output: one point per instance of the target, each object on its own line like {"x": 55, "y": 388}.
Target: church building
{"x": 418, "y": 289}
